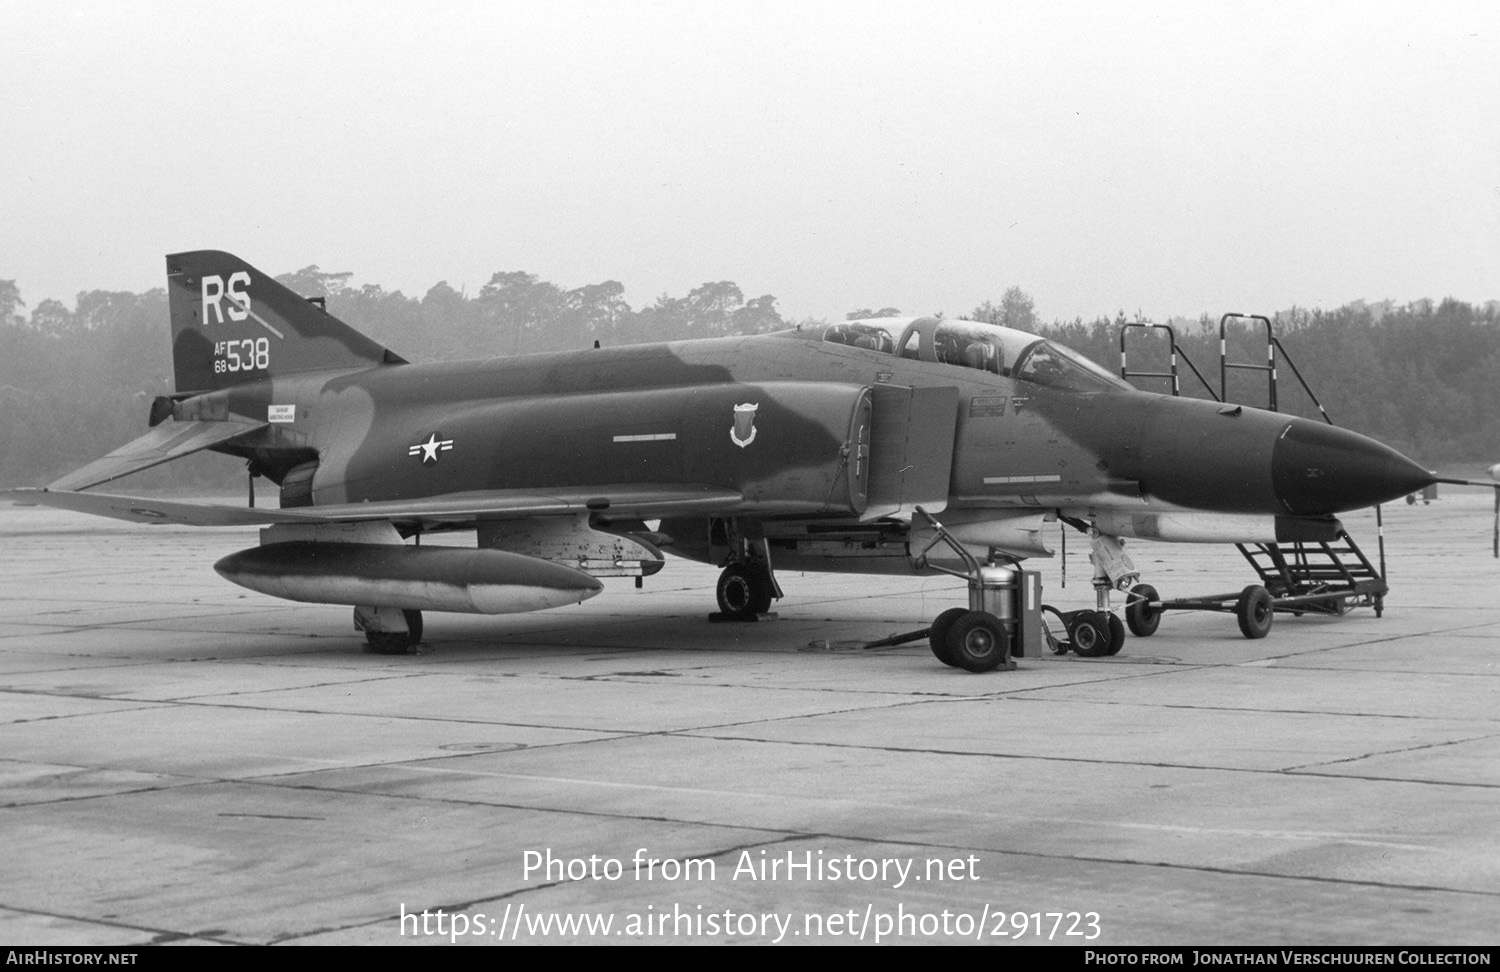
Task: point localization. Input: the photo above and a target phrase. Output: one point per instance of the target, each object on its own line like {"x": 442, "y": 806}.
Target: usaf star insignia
{"x": 429, "y": 450}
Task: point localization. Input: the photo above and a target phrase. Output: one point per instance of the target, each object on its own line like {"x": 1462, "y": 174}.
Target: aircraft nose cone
{"x": 1321, "y": 469}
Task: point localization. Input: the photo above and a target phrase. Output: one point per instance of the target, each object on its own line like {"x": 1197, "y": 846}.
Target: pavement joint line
{"x": 229, "y": 697}
{"x": 1127, "y": 703}
{"x": 197, "y": 699}
{"x": 162, "y": 936}
{"x": 1278, "y": 771}
{"x": 187, "y": 781}
{"x": 1392, "y": 752}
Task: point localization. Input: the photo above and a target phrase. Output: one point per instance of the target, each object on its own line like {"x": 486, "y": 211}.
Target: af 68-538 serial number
{"x": 251, "y": 354}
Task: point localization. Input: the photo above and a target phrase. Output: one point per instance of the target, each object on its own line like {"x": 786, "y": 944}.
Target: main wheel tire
{"x": 397, "y": 642}
{"x": 977, "y": 642}
{"x": 1116, "y": 634}
{"x": 1089, "y": 634}
{"x": 1255, "y": 612}
{"x": 937, "y": 636}
{"x": 1142, "y": 619}
{"x": 743, "y": 592}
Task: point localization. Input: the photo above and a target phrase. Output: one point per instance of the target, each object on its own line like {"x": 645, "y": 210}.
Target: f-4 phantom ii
{"x": 832, "y": 447}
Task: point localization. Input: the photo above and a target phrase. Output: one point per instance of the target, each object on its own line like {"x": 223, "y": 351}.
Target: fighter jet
{"x": 889, "y": 446}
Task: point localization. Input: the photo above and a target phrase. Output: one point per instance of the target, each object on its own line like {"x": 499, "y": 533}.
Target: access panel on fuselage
{"x": 911, "y": 453}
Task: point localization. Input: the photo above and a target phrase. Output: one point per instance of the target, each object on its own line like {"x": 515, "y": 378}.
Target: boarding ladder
{"x": 1297, "y": 572}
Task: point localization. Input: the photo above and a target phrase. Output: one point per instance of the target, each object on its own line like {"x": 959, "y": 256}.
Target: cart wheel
{"x": 1089, "y": 634}
{"x": 937, "y": 635}
{"x": 1254, "y": 612}
{"x": 1139, "y": 615}
{"x": 1116, "y": 634}
{"x": 977, "y": 642}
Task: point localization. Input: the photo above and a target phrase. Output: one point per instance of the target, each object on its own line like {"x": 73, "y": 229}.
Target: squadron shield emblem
{"x": 742, "y": 433}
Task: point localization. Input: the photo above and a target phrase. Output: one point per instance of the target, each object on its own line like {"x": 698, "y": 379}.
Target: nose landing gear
{"x": 1090, "y": 634}
{"x": 1100, "y": 632}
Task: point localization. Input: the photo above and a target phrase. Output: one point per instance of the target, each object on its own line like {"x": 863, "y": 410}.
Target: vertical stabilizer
{"x": 232, "y": 324}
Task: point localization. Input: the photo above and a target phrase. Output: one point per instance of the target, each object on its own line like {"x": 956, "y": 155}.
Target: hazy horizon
{"x": 1163, "y": 158}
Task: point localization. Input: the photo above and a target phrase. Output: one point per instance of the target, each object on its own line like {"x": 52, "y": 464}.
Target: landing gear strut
{"x": 1100, "y": 632}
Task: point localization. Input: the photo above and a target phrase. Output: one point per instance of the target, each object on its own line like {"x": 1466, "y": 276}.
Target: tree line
{"x": 76, "y": 383}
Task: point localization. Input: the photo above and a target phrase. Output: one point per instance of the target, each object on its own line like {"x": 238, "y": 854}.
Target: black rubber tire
{"x": 1141, "y": 619}
{"x": 978, "y": 642}
{"x": 397, "y": 642}
{"x": 1116, "y": 634}
{"x": 743, "y": 592}
{"x": 1255, "y": 612}
{"x": 937, "y": 635}
{"x": 1089, "y": 634}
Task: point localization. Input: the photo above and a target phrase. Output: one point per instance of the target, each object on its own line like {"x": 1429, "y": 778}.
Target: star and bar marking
{"x": 429, "y": 450}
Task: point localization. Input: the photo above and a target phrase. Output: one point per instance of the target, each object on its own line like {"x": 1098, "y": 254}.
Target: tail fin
{"x": 232, "y": 324}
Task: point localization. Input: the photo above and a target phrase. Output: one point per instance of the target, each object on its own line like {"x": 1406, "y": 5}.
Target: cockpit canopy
{"x": 974, "y": 344}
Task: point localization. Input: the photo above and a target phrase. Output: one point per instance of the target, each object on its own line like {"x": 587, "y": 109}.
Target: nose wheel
{"x": 1090, "y": 634}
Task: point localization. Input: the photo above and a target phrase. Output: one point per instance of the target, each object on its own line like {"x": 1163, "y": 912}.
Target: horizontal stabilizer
{"x": 635, "y": 500}
{"x": 171, "y": 440}
{"x": 139, "y": 509}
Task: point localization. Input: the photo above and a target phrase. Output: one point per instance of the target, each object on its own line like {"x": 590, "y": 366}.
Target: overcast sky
{"x": 1166, "y": 158}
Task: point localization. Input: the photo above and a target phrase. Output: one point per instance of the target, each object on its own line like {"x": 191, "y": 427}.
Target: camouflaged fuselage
{"x": 665, "y": 413}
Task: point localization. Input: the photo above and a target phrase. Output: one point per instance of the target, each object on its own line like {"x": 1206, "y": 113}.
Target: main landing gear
{"x": 747, "y": 586}
{"x": 744, "y": 592}
{"x": 389, "y": 631}
{"x": 978, "y": 639}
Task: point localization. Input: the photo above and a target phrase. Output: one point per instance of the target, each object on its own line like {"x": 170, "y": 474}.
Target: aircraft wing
{"x": 640, "y": 500}
{"x": 166, "y": 442}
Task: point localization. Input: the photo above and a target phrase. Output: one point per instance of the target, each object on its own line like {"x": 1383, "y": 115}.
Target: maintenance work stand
{"x": 1297, "y": 577}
